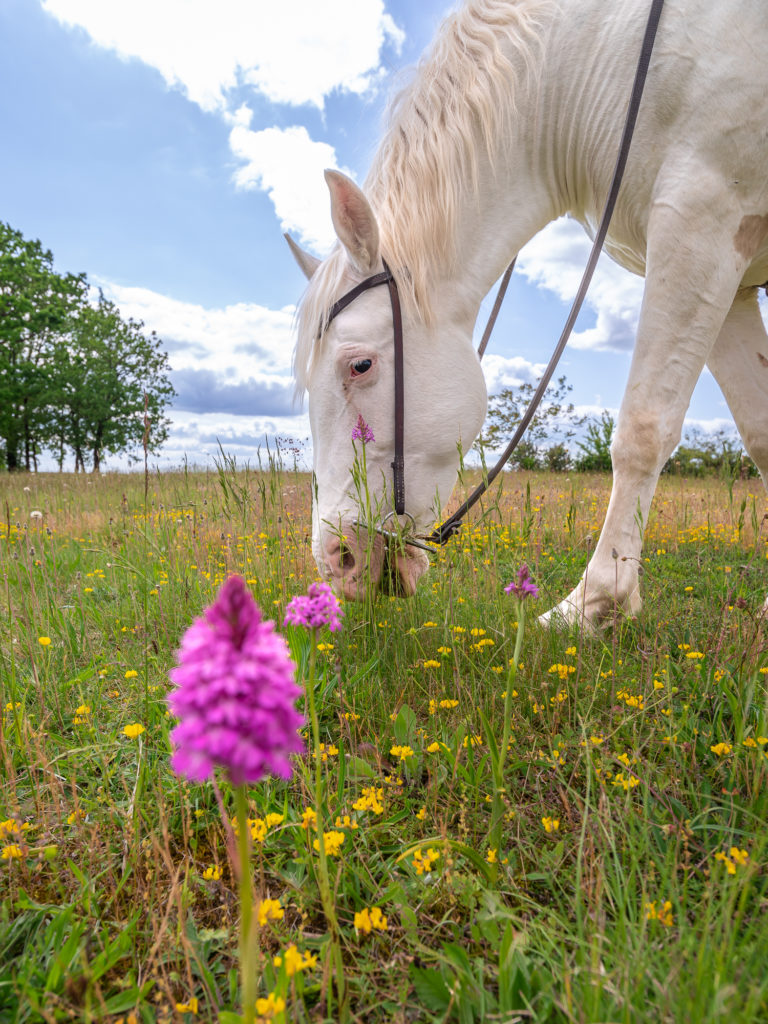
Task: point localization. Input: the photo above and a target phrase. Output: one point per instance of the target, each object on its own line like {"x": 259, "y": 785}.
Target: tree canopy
{"x": 560, "y": 438}
{"x": 75, "y": 376}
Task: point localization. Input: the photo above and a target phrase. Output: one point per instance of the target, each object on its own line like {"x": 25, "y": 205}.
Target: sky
{"x": 164, "y": 146}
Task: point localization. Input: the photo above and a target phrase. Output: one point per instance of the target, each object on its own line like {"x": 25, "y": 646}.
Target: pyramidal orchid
{"x": 318, "y": 607}
{"x": 362, "y": 432}
{"x": 234, "y": 698}
{"x": 235, "y": 694}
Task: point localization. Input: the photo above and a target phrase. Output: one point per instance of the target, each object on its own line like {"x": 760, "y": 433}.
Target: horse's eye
{"x": 361, "y": 366}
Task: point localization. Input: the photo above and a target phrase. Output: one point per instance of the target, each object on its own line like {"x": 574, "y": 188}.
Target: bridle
{"x": 388, "y": 278}
{"x": 442, "y": 533}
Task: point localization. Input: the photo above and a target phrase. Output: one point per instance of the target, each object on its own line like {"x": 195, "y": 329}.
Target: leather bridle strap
{"x": 496, "y": 308}
{"x": 445, "y": 531}
{"x": 386, "y": 277}
{"x": 398, "y": 464}
{"x": 370, "y": 282}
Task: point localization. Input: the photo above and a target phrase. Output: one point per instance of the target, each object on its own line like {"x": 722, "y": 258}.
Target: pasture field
{"x": 631, "y": 881}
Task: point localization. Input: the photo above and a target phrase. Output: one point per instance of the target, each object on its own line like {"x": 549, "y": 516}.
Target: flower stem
{"x": 248, "y": 934}
{"x": 326, "y": 896}
{"x": 499, "y": 792}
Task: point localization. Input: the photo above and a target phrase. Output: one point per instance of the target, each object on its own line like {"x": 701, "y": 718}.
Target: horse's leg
{"x": 739, "y": 362}
{"x": 693, "y": 272}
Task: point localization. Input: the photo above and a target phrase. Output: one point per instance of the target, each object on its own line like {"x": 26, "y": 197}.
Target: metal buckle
{"x": 398, "y": 538}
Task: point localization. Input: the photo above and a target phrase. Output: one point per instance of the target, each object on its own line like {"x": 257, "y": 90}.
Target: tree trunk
{"x": 12, "y": 453}
{"x": 97, "y": 447}
{"x": 25, "y": 421}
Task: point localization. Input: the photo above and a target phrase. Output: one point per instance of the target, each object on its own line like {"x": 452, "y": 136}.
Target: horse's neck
{"x": 560, "y": 156}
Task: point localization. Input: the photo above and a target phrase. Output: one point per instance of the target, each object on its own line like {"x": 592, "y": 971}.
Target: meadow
{"x": 629, "y": 883}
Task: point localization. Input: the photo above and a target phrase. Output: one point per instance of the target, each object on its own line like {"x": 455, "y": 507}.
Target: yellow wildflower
{"x": 190, "y": 1007}
{"x": 270, "y": 1007}
{"x": 402, "y": 752}
{"x": 345, "y": 822}
{"x": 258, "y": 829}
{"x": 423, "y": 861}
{"x": 11, "y": 827}
{"x": 367, "y": 920}
{"x": 371, "y": 800}
{"x": 270, "y": 910}
{"x": 626, "y": 783}
{"x": 721, "y": 749}
{"x": 295, "y": 961}
{"x": 332, "y": 843}
{"x": 662, "y": 914}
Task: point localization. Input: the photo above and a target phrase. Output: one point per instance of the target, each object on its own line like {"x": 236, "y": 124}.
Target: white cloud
{"x": 197, "y": 437}
{"x": 501, "y": 372}
{"x": 291, "y": 51}
{"x": 240, "y": 341}
{"x": 288, "y": 165}
{"x": 555, "y": 260}
{"x": 232, "y": 370}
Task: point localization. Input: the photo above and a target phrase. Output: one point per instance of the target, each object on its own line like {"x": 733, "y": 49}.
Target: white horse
{"x": 512, "y": 119}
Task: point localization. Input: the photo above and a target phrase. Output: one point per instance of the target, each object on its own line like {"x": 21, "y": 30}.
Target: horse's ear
{"x": 307, "y": 262}
{"x": 354, "y": 222}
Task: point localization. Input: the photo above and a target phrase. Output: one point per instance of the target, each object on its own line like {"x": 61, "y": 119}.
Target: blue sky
{"x": 163, "y": 146}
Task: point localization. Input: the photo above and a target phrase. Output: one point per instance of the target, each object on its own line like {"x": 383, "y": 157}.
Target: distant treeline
{"x": 76, "y": 378}
{"x": 560, "y": 439}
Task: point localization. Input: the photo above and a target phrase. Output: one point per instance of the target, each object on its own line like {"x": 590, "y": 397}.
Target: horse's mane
{"x": 460, "y": 97}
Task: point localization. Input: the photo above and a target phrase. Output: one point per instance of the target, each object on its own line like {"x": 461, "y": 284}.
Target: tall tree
{"x": 106, "y": 370}
{"x": 35, "y": 304}
{"x": 553, "y": 426}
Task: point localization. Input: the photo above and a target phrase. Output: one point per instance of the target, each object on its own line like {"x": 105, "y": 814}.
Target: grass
{"x": 631, "y": 882}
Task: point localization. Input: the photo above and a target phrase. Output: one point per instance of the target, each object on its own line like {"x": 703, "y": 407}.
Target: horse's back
{"x": 703, "y": 123}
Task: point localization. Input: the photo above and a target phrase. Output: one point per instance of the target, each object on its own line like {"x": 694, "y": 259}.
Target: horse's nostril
{"x": 346, "y": 558}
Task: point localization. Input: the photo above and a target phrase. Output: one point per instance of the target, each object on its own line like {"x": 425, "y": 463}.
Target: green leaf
{"x": 431, "y": 988}
{"x": 405, "y": 726}
{"x": 490, "y": 739}
{"x": 357, "y": 768}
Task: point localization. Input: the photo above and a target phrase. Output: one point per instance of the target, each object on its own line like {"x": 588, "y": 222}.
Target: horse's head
{"x": 349, "y": 374}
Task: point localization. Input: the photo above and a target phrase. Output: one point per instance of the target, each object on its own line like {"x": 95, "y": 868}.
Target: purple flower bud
{"x": 362, "y": 431}
{"x": 318, "y": 607}
{"x": 235, "y": 694}
{"x": 523, "y": 586}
